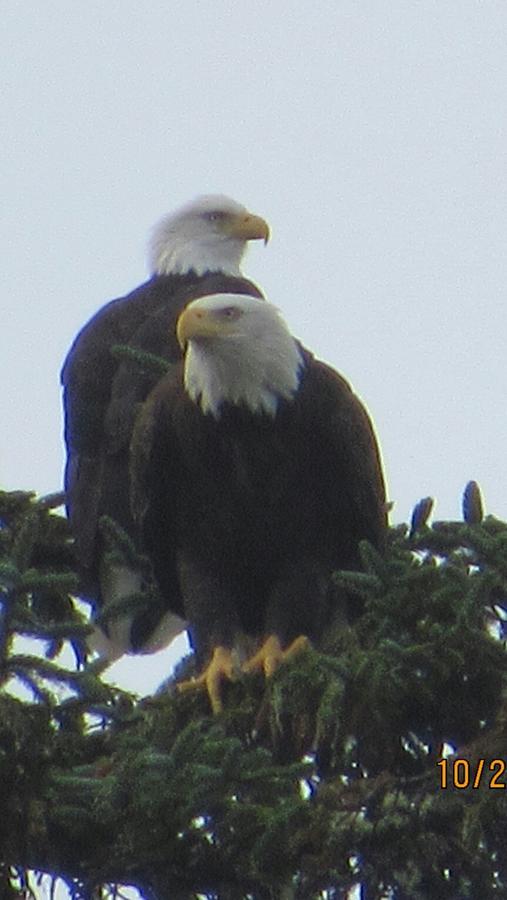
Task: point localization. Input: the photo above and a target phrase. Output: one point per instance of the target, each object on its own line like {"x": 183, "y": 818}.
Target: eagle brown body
{"x": 246, "y": 514}
{"x": 104, "y": 390}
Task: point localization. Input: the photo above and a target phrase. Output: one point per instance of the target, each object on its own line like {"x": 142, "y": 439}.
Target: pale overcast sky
{"x": 372, "y": 136}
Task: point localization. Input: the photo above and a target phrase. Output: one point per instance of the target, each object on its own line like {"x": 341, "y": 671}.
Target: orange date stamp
{"x": 462, "y": 774}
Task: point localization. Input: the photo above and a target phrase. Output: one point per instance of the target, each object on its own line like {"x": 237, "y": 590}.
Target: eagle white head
{"x": 238, "y": 350}
{"x": 208, "y": 235}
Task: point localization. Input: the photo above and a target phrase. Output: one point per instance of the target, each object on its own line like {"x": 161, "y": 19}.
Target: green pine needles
{"x": 378, "y": 760}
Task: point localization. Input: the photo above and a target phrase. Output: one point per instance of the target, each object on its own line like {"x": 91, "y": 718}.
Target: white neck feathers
{"x": 255, "y": 366}
{"x": 173, "y": 254}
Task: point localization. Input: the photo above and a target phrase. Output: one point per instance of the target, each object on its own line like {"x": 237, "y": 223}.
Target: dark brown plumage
{"x": 245, "y": 514}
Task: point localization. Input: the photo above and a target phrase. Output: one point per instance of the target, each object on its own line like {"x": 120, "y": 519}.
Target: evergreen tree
{"x": 379, "y": 762}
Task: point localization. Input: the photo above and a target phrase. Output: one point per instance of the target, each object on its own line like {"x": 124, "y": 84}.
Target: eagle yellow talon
{"x": 270, "y": 656}
{"x": 221, "y": 667}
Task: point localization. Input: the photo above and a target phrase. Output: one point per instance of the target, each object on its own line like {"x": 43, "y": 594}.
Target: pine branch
{"x": 142, "y": 359}
{"x": 323, "y": 777}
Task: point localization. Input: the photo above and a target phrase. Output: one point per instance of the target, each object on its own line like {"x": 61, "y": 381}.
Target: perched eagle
{"x": 255, "y": 473}
{"x": 194, "y": 251}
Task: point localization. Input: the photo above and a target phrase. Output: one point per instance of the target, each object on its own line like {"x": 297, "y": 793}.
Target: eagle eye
{"x": 215, "y": 216}
{"x": 230, "y": 312}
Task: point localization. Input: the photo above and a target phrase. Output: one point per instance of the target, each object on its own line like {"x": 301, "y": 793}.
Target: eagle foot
{"x": 271, "y": 656}
{"x": 222, "y": 666}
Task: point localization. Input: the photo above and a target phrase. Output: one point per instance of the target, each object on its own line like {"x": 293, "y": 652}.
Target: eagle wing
{"x": 155, "y": 455}
{"x": 357, "y": 487}
{"x": 87, "y": 377}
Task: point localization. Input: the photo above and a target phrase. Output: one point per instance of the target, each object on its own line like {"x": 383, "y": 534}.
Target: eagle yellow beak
{"x": 195, "y": 323}
{"x": 248, "y": 227}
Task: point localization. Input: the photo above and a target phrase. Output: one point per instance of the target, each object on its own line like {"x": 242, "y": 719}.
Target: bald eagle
{"x": 255, "y": 474}
{"x": 194, "y": 251}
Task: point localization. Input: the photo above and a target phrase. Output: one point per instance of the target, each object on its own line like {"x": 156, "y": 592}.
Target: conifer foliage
{"x": 377, "y": 760}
